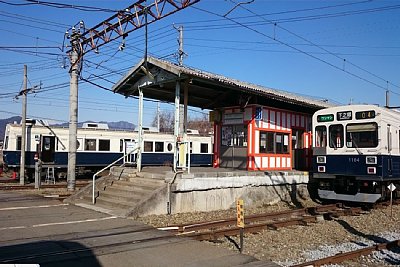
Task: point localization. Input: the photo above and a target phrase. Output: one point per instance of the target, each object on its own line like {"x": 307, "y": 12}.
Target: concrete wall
{"x": 190, "y": 193}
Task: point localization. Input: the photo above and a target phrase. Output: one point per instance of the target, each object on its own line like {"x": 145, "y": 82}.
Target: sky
{"x": 343, "y": 51}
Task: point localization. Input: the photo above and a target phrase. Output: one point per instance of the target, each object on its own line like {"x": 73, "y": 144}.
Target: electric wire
{"x": 291, "y": 46}
{"x": 327, "y": 51}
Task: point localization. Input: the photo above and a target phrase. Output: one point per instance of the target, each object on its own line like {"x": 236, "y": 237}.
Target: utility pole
{"x": 84, "y": 40}
{"x": 387, "y": 98}
{"x": 23, "y": 129}
{"x": 181, "y": 53}
{"x": 75, "y": 57}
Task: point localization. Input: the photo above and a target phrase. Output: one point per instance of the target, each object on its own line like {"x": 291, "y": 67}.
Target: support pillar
{"x": 176, "y": 123}
{"x": 140, "y": 133}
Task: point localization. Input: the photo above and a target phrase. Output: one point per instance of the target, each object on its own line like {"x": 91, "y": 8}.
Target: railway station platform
{"x": 37, "y": 230}
{"x": 201, "y": 189}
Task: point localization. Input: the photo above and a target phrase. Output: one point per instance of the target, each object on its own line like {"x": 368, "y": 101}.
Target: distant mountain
{"x": 4, "y": 122}
{"x": 121, "y": 125}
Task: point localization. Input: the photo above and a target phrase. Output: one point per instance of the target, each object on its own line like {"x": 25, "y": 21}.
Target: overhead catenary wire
{"x": 59, "y": 5}
{"x": 292, "y": 47}
{"x": 326, "y": 50}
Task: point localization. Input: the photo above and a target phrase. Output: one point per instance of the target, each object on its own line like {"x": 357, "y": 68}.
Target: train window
{"x": 336, "y": 136}
{"x": 159, "y": 146}
{"x": 104, "y": 145}
{"x": 362, "y": 135}
{"x": 148, "y": 146}
{"x": 320, "y": 136}
{"x": 90, "y": 144}
{"x": 19, "y": 138}
{"x": 47, "y": 144}
{"x": 203, "y": 148}
{"x": 169, "y": 147}
{"x": 78, "y": 144}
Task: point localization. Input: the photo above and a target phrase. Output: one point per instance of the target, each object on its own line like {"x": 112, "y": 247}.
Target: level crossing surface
{"x": 48, "y": 232}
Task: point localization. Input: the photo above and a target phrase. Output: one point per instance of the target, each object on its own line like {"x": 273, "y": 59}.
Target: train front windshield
{"x": 362, "y": 135}
{"x": 358, "y": 135}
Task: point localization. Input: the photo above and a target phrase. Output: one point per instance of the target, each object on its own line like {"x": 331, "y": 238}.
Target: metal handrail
{"x": 105, "y": 168}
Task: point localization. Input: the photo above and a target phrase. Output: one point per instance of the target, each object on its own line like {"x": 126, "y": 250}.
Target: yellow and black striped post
{"x": 240, "y": 220}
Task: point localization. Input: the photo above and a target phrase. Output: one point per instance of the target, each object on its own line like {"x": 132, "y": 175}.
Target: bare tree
{"x": 167, "y": 121}
{"x": 201, "y": 124}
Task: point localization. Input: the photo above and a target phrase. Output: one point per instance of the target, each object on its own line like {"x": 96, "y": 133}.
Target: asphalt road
{"x": 43, "y": 231}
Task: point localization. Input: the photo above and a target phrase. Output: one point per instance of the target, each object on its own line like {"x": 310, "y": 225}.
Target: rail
{"x": 105, "y": 168}
{"x": 343, "y": 256}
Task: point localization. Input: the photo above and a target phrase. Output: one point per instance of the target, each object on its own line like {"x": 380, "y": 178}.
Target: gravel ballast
{"x": 298, "y": 244}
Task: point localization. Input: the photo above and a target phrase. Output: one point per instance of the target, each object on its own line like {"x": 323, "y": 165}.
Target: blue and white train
{"x": 356, "y": 153}
{"x": 97, "y": 146}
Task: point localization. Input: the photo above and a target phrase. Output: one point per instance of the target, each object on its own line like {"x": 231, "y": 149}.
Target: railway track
{"x": 212, "y": 230}
{"x": 351, "y": 255}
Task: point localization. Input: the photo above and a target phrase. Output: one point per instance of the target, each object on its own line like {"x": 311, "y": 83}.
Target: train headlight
{"x": 321, "y": 168}
{"x": 371, "y": 160}
{"x": 371, "y": 170}
{"x": 321, "y": 159}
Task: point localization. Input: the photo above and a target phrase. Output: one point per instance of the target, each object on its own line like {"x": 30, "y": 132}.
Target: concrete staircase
{"x": 124, "y": 192}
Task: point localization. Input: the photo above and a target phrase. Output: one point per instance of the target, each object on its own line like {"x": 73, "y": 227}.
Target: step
{"x": 151, "y": 175}
{"x": 132, "y": 198}
{"x": 144, "y": 183}
{"x": 126, "y": 191}
{"x": 123, "y": 172}
{"x": 111, "y": 204}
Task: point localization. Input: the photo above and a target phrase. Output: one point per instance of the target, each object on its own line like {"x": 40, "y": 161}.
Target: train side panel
{"x": 96, "y": 147}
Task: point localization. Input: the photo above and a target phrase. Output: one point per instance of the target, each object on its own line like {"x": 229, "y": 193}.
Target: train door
{"x": 129, "y": 147}
{"x": 389, "y": 147}
{"x": 48, "y": 148}
{"x": 298, "y": 151}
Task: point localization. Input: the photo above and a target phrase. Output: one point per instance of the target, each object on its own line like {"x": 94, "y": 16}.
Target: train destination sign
{"x": 325, "y": 118}
{"x": 344, "y": 115}
{"x": 368, "y": 114}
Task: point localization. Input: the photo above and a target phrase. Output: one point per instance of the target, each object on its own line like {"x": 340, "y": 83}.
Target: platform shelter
{"x": 255, "y": 127}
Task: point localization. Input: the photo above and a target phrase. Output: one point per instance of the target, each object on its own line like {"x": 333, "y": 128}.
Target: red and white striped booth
{"x": 266, "y": 138}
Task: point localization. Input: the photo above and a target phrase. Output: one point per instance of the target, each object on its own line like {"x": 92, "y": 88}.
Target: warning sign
{"x": 240, "y": 213}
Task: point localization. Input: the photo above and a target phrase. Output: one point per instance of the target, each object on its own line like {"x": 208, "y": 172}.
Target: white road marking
{"x": 13, "y": 227}
{"x": 72, "y": 222}
{"x": 32, "y": 207}
{"x": 59, "y": 223}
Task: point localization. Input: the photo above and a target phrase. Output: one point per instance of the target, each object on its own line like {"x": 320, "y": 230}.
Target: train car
{"x": 97, "y": 146}
{"x": 356, "y": 153}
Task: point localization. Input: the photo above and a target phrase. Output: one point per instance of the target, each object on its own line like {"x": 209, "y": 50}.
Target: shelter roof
{"x": 206, "y": 90}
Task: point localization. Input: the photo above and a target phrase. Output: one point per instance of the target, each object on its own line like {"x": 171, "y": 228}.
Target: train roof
{"x": 357, "y": 107}
{"x": 146, "y": 130}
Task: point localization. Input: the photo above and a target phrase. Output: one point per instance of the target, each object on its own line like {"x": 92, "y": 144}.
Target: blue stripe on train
{"x": 355, "y": 165}
{"x": 12, "y": 158}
